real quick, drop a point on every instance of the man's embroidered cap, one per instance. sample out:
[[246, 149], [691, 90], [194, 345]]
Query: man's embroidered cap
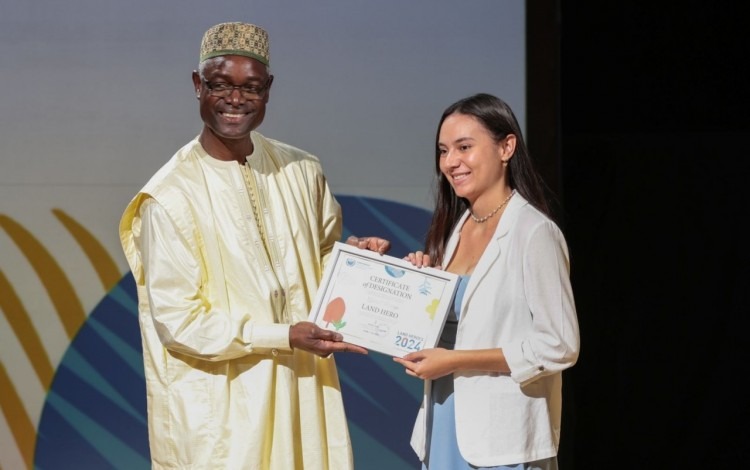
[[235, 39]]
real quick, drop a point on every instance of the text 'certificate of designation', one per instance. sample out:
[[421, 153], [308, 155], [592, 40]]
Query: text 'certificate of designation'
[[382, 303]]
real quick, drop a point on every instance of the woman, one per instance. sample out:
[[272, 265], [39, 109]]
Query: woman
[[493, 384]]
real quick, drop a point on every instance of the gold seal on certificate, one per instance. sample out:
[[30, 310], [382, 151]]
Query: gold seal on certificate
[[382, 303]]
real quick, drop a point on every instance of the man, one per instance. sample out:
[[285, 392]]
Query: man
[[227, 243]]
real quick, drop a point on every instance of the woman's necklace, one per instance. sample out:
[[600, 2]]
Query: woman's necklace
[[481, 220]]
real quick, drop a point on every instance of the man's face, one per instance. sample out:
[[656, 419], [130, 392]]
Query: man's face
[[233, 91]]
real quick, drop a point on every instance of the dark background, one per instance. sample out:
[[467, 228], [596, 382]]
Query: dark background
[[637, 115]]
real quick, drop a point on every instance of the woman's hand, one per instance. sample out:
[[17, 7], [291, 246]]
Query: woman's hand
[[381, 245], [428, 364], [418, 259]]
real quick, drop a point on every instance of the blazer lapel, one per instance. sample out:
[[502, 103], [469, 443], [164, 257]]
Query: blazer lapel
[[494, 249]]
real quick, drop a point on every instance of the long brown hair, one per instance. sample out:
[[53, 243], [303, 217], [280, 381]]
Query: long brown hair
[[498, 118]]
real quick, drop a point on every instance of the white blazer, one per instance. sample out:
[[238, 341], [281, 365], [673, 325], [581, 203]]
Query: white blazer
[[519, 298]]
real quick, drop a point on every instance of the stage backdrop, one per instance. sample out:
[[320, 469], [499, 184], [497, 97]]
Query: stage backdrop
[[96, 95]]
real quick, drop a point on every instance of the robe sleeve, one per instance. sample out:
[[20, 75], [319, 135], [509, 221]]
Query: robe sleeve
[[183, 317]]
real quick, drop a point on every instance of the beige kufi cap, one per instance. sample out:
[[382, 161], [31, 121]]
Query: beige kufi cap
[[235, 39]]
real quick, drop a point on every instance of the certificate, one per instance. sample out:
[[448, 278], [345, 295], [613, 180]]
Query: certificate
[[382, 303]]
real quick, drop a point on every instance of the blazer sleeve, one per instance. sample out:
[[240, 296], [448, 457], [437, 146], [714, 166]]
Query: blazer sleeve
[[553, 342]]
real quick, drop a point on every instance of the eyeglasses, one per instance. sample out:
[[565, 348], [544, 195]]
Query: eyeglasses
[[225, 90]]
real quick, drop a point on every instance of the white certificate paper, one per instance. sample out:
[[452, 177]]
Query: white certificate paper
[[382, 303]]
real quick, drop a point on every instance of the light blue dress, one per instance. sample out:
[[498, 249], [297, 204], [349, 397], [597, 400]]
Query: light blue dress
[[442, 452]]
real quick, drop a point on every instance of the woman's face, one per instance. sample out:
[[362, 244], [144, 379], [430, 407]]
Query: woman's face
[[470, 158]]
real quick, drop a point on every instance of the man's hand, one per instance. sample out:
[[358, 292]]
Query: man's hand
[[311, 338], [381, 245]]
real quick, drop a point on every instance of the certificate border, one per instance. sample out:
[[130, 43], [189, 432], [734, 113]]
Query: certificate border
[[432, 336]]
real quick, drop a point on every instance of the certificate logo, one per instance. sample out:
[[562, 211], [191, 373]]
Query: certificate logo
[[394, 272]]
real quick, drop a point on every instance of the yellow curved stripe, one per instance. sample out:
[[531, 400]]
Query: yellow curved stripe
[[20, 425], [102, 262], [24, 330], [56, 283]]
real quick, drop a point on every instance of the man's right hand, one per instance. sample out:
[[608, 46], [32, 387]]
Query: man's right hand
[[311, 338]]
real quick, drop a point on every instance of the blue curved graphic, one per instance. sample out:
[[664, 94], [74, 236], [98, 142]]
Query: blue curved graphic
[[95, 412], [94, 416]]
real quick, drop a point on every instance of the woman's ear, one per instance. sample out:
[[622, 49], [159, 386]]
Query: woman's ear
[[507, 148]]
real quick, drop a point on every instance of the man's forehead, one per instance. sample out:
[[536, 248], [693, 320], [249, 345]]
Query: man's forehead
[[234, 65]]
